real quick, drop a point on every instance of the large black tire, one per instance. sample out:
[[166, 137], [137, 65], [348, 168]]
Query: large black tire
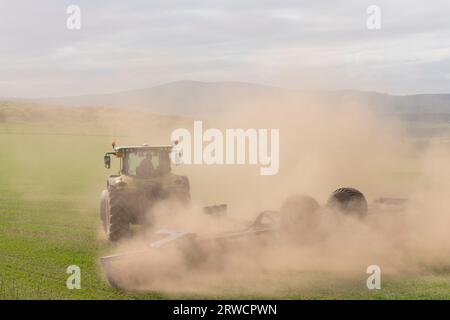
[[348, 201], [116, 222], [300, 213], [104, 203]]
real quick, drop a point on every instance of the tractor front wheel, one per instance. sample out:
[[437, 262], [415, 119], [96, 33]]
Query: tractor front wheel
[[114, 215]]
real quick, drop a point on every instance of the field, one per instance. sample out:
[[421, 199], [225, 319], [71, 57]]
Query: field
[[50, 181]]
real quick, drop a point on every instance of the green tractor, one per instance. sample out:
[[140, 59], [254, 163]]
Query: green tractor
[[144, 179]]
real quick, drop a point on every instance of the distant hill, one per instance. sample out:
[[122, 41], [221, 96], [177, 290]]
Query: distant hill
[[208, 99], [424, 115], [187, 98]]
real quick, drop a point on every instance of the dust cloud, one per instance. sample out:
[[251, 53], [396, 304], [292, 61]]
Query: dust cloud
[[322, 148]]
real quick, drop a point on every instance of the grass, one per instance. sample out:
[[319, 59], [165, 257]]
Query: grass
[[49, 189], [48, 214]]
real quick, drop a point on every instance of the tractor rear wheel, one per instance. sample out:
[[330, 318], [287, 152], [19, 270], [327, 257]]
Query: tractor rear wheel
[[116, 220], [104, 203], [349, 201]]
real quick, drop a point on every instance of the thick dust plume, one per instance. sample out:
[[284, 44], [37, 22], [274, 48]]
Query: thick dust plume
[[322, 148]]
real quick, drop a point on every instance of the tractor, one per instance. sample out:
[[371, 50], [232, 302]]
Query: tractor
[[144, 179]]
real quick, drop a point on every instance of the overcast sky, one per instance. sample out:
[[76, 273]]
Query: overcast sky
[[299, 44]]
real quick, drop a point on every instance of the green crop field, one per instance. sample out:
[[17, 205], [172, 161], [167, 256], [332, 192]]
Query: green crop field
[[49, 189]]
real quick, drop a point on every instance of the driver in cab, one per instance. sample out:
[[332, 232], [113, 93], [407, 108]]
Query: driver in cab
[[145, 168]]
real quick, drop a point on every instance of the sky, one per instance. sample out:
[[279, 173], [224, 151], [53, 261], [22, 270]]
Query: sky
[[124, 45]]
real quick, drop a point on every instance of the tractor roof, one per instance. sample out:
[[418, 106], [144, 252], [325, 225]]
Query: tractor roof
[[144, 148]]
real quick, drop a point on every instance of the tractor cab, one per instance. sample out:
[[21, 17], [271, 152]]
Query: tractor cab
[[142, 161]]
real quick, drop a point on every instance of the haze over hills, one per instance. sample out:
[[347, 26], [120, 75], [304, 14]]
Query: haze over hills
[[206, 99], [423, 115], [187, 98]]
